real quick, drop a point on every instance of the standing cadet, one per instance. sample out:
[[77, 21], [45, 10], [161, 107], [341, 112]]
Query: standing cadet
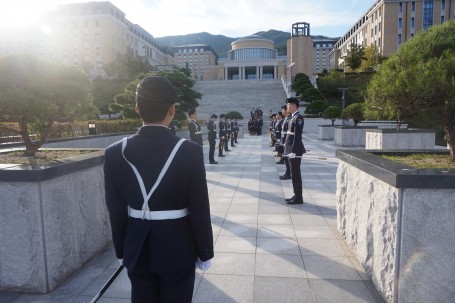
[[232, 125], [278, 129], [193, 127], [294, 149], [227, 124], [160, 231], [284, 130], [236, 130], [221, 135], [211, 128]]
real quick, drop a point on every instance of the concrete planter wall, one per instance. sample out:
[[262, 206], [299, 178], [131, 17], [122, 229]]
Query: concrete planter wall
[[399, 222], [400, 139], [326, 132], [350, 136], [53, 220]]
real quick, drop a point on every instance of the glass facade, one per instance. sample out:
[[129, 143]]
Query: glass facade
[[427, 14], [246, 54]]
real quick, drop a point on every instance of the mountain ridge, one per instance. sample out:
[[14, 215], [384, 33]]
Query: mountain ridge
[[222, 44]]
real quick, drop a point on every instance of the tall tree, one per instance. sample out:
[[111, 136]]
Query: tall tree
[[372, 59], [354, 57], [36, 93], [420, 76], [183, 84]]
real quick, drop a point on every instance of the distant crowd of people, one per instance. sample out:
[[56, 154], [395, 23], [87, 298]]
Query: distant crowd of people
[[256, 122]]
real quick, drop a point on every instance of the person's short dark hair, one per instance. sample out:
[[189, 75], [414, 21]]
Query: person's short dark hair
[[154, 95], [213, 116], [279, 114], [284, 107], [273, 115], [191, 112], [222, 116], [293, 100]]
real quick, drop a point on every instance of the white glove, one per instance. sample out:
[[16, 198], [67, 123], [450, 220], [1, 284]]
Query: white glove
[[203, 265], [222, 137], [120, 261], [278, 141], [291, 156]]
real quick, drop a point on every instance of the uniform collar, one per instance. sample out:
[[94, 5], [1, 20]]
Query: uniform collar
[[153, 129], [295, 113]]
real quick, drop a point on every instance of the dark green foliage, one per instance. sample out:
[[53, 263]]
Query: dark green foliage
[[36, 93], [312, 94], [234, 114], [332, 113], [316, 107], [354, 57], [419, 77], [356, 84], [355, 112]]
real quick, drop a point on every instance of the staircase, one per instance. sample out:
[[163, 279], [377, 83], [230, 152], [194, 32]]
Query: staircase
[[221, 97]]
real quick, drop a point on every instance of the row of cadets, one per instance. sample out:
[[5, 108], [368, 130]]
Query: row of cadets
[[227, 131]]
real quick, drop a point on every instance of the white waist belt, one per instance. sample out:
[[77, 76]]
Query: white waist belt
[[290, 133], [197, 133], [158, 215]]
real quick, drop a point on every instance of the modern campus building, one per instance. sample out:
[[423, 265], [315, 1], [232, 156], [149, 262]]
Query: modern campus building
[[88, 35], [390, 23], [251, 57], [195, 57]]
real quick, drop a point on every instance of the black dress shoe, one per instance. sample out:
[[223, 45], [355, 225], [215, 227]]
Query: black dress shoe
[[290, 199], [285, 177], [232, 145], [228, 150], [213, 162], [295, 201], [280, 162], [221, 156]]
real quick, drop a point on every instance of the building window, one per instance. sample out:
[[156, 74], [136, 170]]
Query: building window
[[413, 6], [400, 23], [427, 14], [400, 7], [412, 22], [399, 39], [443, 4], [442, 19]]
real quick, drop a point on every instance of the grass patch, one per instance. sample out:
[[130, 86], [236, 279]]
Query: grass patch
[[424, 161], [41, 157]]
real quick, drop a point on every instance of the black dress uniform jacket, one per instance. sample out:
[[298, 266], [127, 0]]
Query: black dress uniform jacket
[[222, 129], [173, 244], [293, 142], [211, 128], [195, 132]]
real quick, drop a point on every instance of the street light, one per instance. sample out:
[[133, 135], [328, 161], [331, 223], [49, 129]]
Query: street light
[[343, 100], [290, 67]]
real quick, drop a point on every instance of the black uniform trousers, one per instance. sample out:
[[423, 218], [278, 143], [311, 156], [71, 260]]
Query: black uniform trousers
[[296, 176], [171, 287], [212, 150], [288, 167], [226, 142], [221, 147]]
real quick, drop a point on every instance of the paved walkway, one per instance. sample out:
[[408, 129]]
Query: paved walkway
[[265, 251]]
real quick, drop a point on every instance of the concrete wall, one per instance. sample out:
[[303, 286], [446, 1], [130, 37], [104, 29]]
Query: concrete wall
[[348, 136], [51, 228], [400, 139], [326, 132], [403, 237]]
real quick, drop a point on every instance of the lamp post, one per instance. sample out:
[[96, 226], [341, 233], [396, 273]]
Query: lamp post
[[290, 84], [343, 100]]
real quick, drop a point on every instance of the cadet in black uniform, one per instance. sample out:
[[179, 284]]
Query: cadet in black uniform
[[236, 130], [284, 130], [232, 136], [211, 128], [278, 128], [227, 124], [221, 135], [294, 149], [159, 210], [193, 127]]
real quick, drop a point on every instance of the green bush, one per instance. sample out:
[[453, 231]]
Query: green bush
[[234, 114], [316, 107], [332, 113], [355, 112]]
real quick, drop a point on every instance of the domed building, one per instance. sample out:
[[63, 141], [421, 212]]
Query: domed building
[[252, 57]]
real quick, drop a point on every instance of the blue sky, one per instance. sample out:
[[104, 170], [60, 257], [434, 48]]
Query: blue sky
[[233, 18]]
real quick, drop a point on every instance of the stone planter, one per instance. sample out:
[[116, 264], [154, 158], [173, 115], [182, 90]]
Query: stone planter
[[53, 220], [399, 222], [402, 139], [350, 136], [326, 132]]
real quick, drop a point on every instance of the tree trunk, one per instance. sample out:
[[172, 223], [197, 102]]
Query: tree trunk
[[449, 127], [32, 147]]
